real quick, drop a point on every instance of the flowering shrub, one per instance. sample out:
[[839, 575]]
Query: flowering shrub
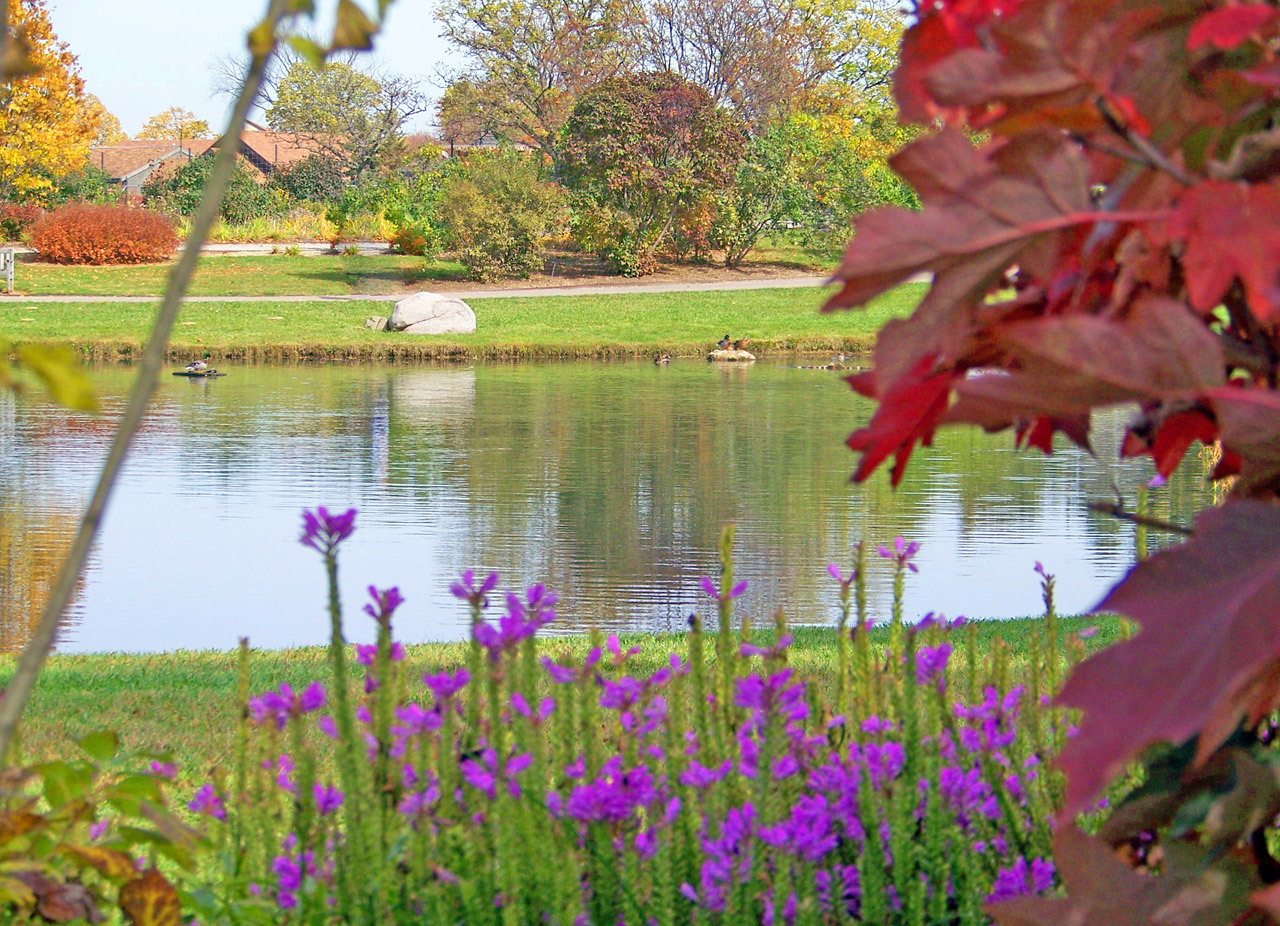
[[16, 220], [529, 789], [106, 234]]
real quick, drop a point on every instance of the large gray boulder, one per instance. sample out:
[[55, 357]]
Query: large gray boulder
[[432, 313]]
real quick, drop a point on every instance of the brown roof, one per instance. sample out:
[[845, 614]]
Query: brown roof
[[125, 158], [273, 149]]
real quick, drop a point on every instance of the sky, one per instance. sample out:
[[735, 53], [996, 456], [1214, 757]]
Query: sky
[[142, 56]]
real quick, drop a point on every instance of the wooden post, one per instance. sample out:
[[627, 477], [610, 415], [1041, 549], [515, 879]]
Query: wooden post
[[6, 265]]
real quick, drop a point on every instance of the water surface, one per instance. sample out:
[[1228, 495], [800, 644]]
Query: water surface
[[608, 481]]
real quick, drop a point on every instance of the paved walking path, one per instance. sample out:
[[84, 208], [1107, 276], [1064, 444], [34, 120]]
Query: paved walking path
[[611, 289]]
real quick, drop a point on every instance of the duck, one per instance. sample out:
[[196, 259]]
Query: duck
[[662, 359], [199, 366], [740, 344], [723, 343]]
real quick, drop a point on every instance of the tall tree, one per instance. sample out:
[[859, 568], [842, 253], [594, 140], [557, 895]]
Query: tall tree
[[534, 57], [341, 112], [175, 122], [761, 56], [109, 131], [45, 127], [649, 145]]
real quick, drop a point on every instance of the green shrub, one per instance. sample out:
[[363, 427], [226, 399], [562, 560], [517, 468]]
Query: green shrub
[[314, 179], [497, 210], [89, 185], [98, 234], [180, 191]]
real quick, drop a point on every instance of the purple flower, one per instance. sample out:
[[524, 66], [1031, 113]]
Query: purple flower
[[467, 590], [280, 706], [445, 685], [209, 803], [327, 799], [901, 554], [834, 571], [327, 726], [714, 593], [98, 830], [323, 531], [384, 604], [163, 770], [931, 664], [1021, 879]]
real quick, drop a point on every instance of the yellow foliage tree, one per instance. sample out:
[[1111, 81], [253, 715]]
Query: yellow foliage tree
[[46, 126], [175, 122], [109, 131]]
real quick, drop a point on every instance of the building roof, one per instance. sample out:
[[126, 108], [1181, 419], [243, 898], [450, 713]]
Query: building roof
[[128, 157], [269, 150]]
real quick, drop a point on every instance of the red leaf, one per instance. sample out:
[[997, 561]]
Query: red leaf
[[1230, 230], [1167, 444], [1068, 365], [1231, 26], [1039, 432], [981, 208], [924, 45], [1206, 657], [909, 411], [1249, 422]]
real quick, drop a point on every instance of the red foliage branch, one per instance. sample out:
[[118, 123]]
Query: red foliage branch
[[1115, 238]]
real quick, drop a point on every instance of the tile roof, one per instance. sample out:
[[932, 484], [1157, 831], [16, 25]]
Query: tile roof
[[127, 157]]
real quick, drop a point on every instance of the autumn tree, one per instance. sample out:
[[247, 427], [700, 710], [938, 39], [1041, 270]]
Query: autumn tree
[[175, 122], [469, 110], [109, 131], [648, 145], [532, 58], [342, 112], [760, 57], [46, 127], [1111, 239]]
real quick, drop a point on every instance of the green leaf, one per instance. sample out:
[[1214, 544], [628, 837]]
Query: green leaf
[[64, 783], [101, 746], [146, 787], [312, 53], [353, 28], [61, 374], [262, 39]]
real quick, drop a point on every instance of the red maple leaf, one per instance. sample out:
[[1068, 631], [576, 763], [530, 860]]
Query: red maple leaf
[[1038, 432], [1249, 420], [1206, 657], [1231, 26], [1230, 231], [1166, 439], [909, 412]]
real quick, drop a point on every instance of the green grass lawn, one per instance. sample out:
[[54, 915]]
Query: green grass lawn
[[185, 701], [274, 275], [619, 324]]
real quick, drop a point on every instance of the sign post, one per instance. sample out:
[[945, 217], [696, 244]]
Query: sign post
[[6, 267]]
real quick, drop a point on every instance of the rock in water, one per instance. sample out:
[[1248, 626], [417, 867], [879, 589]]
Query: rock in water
[[431, 313], [376, 323], [731, 356]]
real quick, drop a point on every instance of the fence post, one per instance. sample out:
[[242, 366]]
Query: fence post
[[6, 265]]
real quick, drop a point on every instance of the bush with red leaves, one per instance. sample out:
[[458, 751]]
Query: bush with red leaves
[[89, 234], [16, 220]]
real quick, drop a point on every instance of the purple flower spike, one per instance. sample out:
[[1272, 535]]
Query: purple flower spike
[[445, 685], [713, 593], [323, 531], [327, 799], [901, 554], [467, 590], [208, 802], [384, 604]]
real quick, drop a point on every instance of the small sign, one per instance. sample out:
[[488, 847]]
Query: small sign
[[6, 267]]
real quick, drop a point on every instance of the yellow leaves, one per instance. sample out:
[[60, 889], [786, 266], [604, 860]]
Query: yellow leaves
[[151, 901], [112, 863], [42, 121], [57, 368], [353, 28]]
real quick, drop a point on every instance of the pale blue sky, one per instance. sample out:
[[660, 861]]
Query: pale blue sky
[[143, 56]]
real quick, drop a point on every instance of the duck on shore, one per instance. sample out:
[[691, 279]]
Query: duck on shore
[[199, 366], [723, 343], [740, 344]]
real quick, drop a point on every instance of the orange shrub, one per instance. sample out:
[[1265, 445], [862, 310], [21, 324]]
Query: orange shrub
[[87, 234]]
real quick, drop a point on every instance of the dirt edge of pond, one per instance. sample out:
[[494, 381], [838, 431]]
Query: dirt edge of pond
[[396, 349]]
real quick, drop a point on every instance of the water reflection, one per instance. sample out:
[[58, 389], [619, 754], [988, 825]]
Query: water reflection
[[608, 481]]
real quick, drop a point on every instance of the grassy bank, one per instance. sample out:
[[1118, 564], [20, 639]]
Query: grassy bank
[[331, 275], [684, 324], [184, 701]]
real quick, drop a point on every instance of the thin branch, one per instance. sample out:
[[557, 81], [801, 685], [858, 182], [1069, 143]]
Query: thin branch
[[1116, 510], [37, 649], [1153, 155]]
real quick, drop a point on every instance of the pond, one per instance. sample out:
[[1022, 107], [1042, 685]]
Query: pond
[[608, 481]]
